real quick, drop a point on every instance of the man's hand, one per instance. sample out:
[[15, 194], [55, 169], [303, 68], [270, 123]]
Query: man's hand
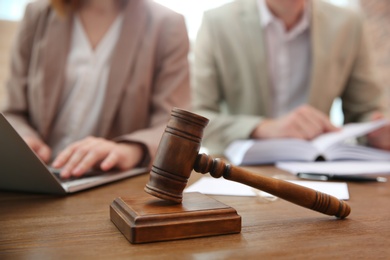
[[81, 156], [304, 122], [379, 138], [40, 148]]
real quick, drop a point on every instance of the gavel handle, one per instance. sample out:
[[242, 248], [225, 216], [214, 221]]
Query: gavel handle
[[296, 194]]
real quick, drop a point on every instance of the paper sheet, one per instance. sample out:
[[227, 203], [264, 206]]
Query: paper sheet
[[337, 167], [213, 186], [324, 141]]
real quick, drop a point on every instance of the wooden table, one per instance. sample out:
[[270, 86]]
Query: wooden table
[[78, 226]]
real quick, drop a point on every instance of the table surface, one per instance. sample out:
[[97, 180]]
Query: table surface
[[78, 226]]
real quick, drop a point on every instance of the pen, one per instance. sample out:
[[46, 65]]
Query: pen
[[328, 176]]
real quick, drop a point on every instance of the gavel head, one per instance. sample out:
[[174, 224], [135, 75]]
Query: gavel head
[[176, 155]]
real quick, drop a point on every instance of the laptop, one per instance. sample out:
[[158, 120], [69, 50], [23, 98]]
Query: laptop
[[22, 170]]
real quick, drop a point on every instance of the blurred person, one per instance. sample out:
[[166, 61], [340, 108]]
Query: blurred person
[[272, 69], [92, 82]]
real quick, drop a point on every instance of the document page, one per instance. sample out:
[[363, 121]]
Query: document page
[[265, 151], [324, 141]]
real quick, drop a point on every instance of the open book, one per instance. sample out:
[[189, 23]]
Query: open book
[[330, 147]]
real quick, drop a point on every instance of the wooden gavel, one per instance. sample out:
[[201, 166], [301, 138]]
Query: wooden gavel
[[177, 156]]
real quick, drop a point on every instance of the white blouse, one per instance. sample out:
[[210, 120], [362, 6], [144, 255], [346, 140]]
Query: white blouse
[[86, 78]]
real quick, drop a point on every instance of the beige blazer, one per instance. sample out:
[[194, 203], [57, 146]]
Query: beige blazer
[[230, 69], [149, 73]]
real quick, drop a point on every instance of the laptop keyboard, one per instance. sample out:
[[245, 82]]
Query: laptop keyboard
[[91, 173]]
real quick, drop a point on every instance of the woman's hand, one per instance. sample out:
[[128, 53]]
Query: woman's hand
[[81, 156]]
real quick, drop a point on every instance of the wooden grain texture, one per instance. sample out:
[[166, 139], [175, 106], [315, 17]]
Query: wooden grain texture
[[178, 149], [294, 193], [145, 219], [177, 156], [79, 227]]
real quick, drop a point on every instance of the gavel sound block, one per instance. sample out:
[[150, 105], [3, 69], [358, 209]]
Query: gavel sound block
[[177, 156]]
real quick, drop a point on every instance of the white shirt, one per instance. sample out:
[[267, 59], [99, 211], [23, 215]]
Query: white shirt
[[86, 78], [288, 58]]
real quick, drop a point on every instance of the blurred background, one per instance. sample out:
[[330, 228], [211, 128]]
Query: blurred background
[[377, 14], [192, 10]]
